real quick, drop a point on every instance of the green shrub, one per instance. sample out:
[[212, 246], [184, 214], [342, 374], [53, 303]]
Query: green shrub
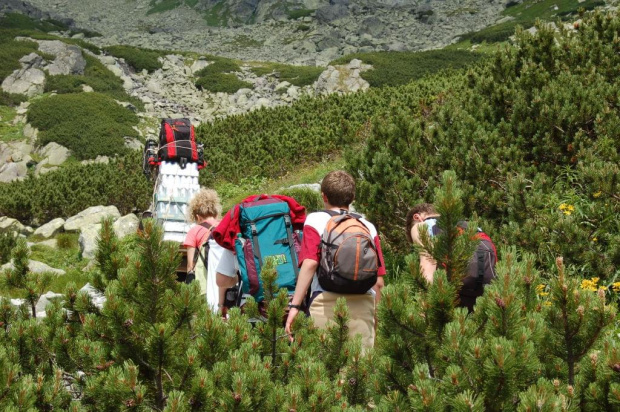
[[89, 124], [542, 174], [303, 27], [299, 13], [97, 76], [398, 68], [11, 99], [219, 66], [221, 82], [64, 83], [138, 58], [493, 34], [75, 187], [525, 14], [23, 22], [11, 51], [297, 75], [8, 240]]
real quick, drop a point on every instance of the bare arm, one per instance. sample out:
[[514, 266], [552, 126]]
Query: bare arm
[[308, 267], [378, 287], [428, 266], [190, 258], [224, 281]]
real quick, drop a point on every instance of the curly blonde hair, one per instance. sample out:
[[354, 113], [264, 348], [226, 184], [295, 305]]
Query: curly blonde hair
[[205, 203]]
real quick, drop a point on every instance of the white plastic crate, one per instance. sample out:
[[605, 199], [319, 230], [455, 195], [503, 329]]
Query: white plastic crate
[[174, 188]]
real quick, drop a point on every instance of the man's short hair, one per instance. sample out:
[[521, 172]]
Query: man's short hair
[[339, 188], [427, 208]]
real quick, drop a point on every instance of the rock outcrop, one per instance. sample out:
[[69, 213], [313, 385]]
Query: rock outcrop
[[89, 217], [51, 228], [343, 79]]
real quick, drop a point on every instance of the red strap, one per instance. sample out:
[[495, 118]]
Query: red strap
[[169, 132], [194, 149], [192, 134], [484, 236]]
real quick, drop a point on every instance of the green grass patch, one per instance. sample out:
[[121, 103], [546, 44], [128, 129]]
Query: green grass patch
[[297, 75], [299, 13], [89, 124], [233, 193], [243, 41], [8, 131], [138, 58], [398, 68]]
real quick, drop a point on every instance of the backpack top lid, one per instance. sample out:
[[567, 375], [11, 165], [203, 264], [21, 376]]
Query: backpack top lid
[[226, 232]]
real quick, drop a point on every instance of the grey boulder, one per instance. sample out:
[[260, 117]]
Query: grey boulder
[[90, 216], [50, 228]]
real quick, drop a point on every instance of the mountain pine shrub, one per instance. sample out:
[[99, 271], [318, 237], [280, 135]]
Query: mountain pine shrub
[[138, 58], [400, 68], [8, 240], [75, 187], [31, 285], [89, 124], [530, 134], [526, 344]]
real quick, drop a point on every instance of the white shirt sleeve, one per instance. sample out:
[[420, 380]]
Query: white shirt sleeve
[[226, 261]]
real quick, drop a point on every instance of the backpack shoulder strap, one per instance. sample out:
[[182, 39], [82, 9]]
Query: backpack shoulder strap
[[204, 258]]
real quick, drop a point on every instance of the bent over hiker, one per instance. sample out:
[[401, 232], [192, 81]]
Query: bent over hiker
[[419, 215], [357, 274], [481, 267]]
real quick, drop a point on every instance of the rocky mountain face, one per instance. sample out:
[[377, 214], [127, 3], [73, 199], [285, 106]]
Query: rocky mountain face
[[310, 32]]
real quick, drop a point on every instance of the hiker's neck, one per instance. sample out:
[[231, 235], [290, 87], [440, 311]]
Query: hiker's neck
[[336, 208]]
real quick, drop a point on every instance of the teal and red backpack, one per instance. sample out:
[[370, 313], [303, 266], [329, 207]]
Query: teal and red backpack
[[268, 229]]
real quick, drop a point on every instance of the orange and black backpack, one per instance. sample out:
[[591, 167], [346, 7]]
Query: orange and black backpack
[[349, 261]]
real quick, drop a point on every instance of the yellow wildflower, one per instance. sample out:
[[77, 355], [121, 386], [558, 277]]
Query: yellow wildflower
[[567, 209], [597, 194], [595, 239], [540, 288], [543, 293], [616, 287], [547, 303], [603, 288], [588, 284]]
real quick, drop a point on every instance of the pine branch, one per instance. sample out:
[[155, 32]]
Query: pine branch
[[403, 326]]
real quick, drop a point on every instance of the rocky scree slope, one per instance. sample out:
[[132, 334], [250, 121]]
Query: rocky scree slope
[[310, 32], [166, 92]]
